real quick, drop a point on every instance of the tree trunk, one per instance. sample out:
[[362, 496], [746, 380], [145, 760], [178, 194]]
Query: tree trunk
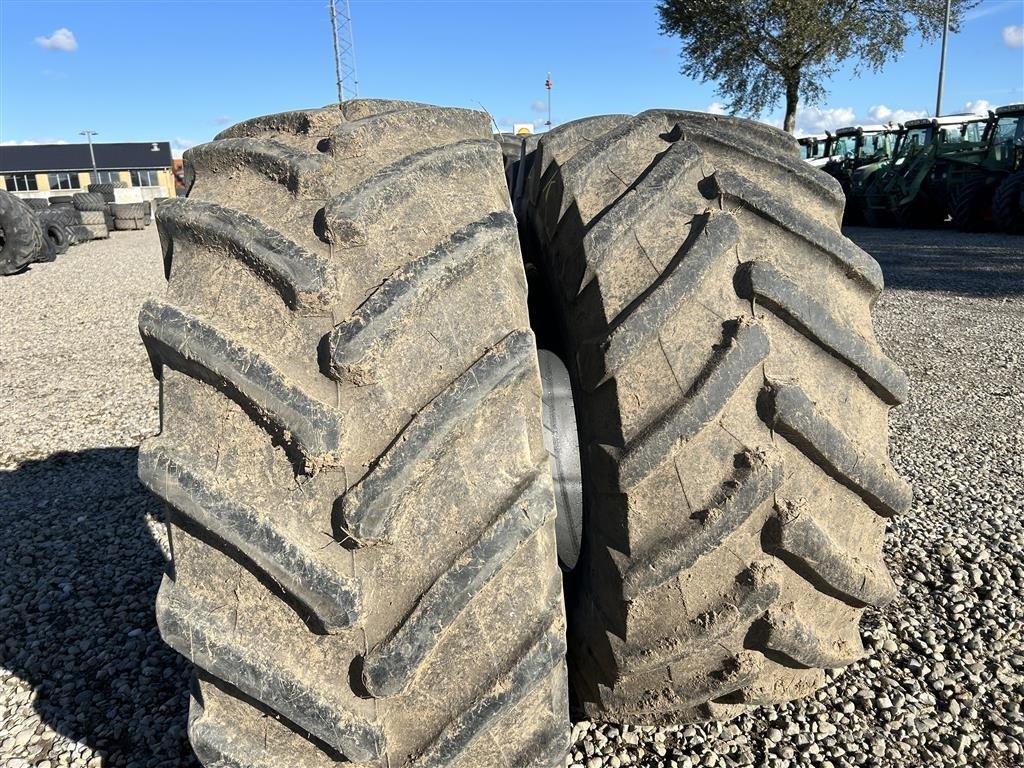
[[792, 87]]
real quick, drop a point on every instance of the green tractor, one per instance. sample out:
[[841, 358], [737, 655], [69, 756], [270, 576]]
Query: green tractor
[[857, 152], [911, 190], [986, 184]]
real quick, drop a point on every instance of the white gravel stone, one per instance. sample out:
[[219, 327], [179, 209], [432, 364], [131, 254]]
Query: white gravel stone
[[86, 682]]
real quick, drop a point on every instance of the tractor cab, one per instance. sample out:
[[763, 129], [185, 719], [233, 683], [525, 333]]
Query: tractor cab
[[1005, 136], [817, 149], [857, 153]]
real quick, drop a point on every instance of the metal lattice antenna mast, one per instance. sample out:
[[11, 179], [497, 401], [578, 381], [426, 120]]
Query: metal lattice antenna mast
[[344, 52], [337, 53]]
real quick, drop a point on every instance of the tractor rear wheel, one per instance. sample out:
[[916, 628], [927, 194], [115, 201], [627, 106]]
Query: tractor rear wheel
[[1008, 204], [352, 453], [969, 203], [732, 404]]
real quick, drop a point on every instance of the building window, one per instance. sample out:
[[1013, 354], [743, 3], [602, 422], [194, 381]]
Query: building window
[[64, 180], [107, 177], [21, 182], [145, 178]]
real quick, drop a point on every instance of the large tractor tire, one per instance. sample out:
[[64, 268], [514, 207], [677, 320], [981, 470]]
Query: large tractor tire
[[927, 210], [127, 224], [1008, 204], [89, 201], [21, 238], [56, 234], [732, 404], [106, 190], [351, 451], [877, 217], [129, 210], [969, 203]]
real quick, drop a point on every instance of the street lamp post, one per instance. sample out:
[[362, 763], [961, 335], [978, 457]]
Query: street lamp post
[[88, 135], [942, 62]]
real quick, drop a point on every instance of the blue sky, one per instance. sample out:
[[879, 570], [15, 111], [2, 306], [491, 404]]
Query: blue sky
[[180, 71]]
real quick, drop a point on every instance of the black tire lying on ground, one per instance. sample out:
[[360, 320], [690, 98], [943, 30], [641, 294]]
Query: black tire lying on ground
[[97, 231], [72, 221], [125, 224], [1008, 204], [37, 203], [68, 210], [93, 217], [128, 210], [732, 406], [56, 234], [351, 451], [81, 233], [62, 200], [89, 201], [21, 239], [107, 190]]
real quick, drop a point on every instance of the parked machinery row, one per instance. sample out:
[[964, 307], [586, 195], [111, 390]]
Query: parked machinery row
[[37, 230], [967, 168]]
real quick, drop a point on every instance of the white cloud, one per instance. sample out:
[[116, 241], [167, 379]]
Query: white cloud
[[539, 106], [29, 142], [716, 108], [979, 107], [178, 146], [1013, 36], [62, 39], [814, 120], [884, 114]]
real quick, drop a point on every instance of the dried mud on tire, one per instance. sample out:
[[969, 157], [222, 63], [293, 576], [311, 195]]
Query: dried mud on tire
[[362, 519], [732, 402]]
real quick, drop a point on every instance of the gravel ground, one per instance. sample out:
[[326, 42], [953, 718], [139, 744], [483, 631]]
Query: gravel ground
[[85, 680]]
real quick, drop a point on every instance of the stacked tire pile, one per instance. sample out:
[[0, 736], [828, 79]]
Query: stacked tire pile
[[129, 216], [63, 221], [29, 233], [56, 223], [21, 238], [107, 191], [91, 209], [63, 212], [364, 441]]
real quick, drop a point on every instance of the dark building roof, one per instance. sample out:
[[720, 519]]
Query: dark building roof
[[75, 157]]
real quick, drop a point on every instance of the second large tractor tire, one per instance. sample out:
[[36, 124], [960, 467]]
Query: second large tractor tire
[[21, 238], [351, 452], [969, 203], [1008, 204], [732, 403]]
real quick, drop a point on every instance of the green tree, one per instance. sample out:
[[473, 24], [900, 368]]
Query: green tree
[[759, 51]]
